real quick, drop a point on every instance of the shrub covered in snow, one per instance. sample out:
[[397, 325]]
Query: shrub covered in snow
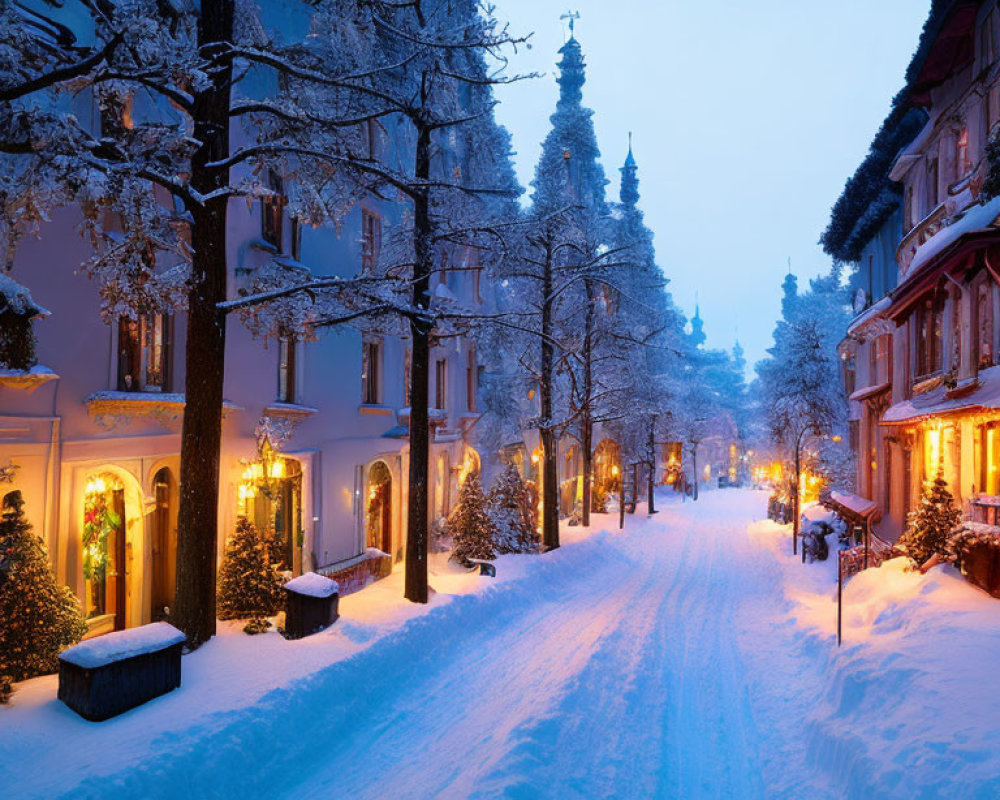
[[249, 587], [471, 528], [514, 514], [38, 617], [930, 525]]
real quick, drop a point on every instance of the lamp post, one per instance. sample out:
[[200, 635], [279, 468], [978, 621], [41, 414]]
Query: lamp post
[[798, 477]]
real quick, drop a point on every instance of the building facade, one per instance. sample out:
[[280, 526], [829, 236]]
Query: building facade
[[919, 359]]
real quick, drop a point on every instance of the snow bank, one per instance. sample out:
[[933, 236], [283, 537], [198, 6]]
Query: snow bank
[[103, 650], [907, 706], [312, 585]]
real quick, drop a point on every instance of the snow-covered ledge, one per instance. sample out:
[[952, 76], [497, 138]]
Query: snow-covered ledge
[[26, 380], [289, 411], [109, 407]]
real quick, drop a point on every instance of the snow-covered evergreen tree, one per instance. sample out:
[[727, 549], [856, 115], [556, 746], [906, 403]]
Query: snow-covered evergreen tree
[[930, 525], [471, 527], [514, 513], [249, 588], [38, 617]]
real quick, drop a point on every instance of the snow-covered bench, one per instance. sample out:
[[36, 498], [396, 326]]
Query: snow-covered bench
[[311, 603], [107, 675]]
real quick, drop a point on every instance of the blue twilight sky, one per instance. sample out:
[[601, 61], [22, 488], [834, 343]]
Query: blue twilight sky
[[748, 116]]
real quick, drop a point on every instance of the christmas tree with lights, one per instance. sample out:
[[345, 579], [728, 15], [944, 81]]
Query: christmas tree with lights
[[249, 587], [472, 530], [38, 617], [930, 525]]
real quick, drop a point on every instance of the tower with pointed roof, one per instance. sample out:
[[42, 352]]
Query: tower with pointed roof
[[569, 169], [628, 193], [697, 336]]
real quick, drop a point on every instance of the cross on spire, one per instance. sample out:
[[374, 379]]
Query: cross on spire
[[572, 16]]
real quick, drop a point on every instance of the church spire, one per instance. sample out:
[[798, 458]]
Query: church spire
[[629, 191], [697, 336], [572, 74]]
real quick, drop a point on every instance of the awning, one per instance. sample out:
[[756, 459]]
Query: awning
[[980, 393], [851, 507]]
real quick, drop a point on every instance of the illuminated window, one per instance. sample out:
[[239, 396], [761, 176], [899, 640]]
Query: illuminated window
[[144, 354], [989, 468]]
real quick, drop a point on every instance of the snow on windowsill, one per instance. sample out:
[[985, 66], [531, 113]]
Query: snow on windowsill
[[117, 646], [29, 379], [312, 585]]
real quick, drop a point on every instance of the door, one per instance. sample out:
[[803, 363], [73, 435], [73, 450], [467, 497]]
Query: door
[[164, 541], [118, 567], [386, 503]]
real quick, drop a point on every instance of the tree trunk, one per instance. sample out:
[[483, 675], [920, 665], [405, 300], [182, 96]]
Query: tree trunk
[[587, 446], [550, 477], [586, 421], [694, 472], [795, 498], [417, 510], [651, 482], [205, 352]]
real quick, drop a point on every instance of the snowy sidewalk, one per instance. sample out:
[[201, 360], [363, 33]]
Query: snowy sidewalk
[[690, 657]]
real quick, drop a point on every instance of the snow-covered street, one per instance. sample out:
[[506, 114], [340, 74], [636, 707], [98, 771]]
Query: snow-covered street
[[676, 660]]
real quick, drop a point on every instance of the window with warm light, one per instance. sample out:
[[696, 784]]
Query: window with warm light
[[144, 353], [989, 472]]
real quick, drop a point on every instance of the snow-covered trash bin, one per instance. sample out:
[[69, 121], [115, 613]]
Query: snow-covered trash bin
[[311, 603], [486, 568], [107, 675]]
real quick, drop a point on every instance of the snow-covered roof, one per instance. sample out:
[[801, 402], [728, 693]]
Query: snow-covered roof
[[870, 391], [103, 650], [870, 313], [312, 585], [976, 218], [982, 392], [15, 297], [859, 505]]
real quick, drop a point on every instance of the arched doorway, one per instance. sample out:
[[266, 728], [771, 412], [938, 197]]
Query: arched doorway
[[163, 540], [607, 475], [105, 568], [271, 498], [379, 516]]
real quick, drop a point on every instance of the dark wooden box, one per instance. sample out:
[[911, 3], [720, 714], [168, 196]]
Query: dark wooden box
[[99, 693], [981, 566], [305, 615]]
